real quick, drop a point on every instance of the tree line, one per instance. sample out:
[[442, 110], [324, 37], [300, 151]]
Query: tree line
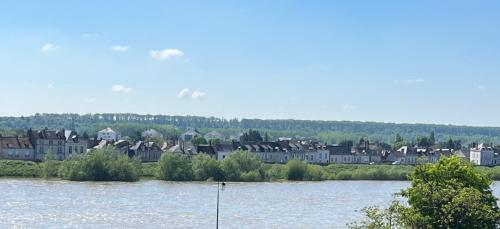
[[329, 131]]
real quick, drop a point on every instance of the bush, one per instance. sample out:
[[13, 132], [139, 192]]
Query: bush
[[242, 166], [296, 170], [49, 166], [205, 167], [315, 173], [174, 167], [19, 168], [101, 165], [274, 172], [149, 169]]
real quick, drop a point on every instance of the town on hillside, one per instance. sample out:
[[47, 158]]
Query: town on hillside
[[35, 144]]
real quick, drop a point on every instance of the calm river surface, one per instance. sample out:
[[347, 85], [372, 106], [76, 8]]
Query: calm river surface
[[26, 203]]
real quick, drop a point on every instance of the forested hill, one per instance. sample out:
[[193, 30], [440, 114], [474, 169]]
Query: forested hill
[[325, 130]]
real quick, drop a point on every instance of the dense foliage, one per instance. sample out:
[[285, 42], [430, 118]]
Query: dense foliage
[[49, 166], [329, 131], [174, 167], [449, 194], [242, 166], [100, 165], [206, 167], [16, 168]]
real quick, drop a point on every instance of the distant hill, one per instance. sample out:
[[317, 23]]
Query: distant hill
[[322, 130]]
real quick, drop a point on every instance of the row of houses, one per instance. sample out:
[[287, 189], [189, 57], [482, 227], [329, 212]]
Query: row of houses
[[36, 144], [282, 151], [64, 143]]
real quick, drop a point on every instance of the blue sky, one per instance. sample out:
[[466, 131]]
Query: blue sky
[[391, 61]]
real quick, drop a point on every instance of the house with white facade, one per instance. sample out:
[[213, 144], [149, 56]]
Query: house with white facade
[[151, 133], [340, 155], [108, 134], [482, 154]]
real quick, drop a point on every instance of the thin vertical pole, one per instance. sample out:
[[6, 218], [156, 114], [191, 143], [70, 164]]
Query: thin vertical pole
[[217, 225]]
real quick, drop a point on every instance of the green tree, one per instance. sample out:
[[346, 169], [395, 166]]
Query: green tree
[[101, 165], [448, 194], [399, 138], [174, 167], [296, 170], [252, 136], [432, 138], [198, 140], [206, 167], [423, 141], [49, 166], [242, 166]]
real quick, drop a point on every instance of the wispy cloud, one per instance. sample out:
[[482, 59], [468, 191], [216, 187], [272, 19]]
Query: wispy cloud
[[197, 94], [415, 80], [409, 81], [186, 93], [120, 48], [166, 54], [50, 86], [121, 89], [88, 100], [90, 35], [47, 47]]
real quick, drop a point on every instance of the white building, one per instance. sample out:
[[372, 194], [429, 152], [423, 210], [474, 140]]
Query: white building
[[151, 133], [108, 134], [482, 155], [214, 135]]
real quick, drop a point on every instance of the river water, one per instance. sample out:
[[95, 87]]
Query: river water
[[27, 203]]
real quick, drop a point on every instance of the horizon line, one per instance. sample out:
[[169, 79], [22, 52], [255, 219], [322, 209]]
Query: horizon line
[[264, 119]]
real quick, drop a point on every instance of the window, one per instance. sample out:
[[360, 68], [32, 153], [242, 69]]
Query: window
[[70, 150], [81, 149], [50, 142]]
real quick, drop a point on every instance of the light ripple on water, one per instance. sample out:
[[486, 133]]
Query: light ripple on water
[[27, 203]]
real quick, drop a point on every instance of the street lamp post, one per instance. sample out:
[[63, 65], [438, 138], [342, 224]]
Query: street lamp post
[[218, 189]]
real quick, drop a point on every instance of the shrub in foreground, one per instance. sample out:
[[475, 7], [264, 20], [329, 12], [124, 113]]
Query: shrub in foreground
[[449, 194]]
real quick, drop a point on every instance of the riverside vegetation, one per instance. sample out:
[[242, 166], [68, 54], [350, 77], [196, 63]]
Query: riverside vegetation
[[449, 194], [105, 165]]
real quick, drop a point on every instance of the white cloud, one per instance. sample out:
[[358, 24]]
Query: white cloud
[[90, 35], [166, 54], [186, 93], [415, 80], [121, 88], [120, 48], [47, 47], [88, 100], [197, 95], [50, 86]]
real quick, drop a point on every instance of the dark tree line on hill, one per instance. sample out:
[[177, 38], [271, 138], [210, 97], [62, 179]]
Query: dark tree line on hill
[[329, 131]]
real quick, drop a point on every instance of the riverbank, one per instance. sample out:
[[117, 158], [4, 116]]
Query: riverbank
[[272, 172]]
